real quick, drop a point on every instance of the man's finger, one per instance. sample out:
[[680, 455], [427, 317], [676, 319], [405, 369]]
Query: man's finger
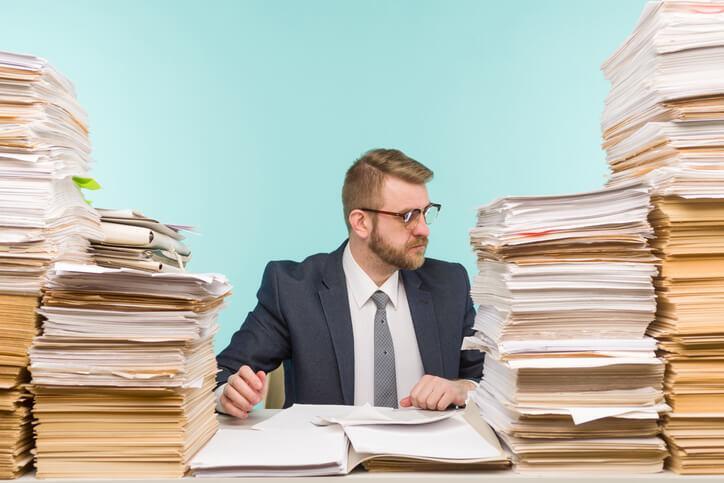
[[436, 393], [243, 388], [247, 374], [236, 398], [421, 391], [445, 400], [230, 409], [413, 395], [415, 391], [405, 402], [419, 399]]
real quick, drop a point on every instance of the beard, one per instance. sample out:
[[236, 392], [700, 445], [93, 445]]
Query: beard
[[401, 258]]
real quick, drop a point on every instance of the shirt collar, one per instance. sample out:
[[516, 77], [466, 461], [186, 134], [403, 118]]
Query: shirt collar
[[361, 285]]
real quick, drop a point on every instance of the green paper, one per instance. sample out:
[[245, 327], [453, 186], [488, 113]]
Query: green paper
[[86, 183]]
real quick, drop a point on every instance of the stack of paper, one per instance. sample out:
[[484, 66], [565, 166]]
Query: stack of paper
[[16, 433], [133, 240], [43, 217], [664, 115], [20, 325], [566, 294], [124, 371], [664, 123], [312, 440], [562, 267], [43, 146], [688, 326]]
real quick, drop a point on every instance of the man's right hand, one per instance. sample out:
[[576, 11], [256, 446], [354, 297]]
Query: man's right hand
[[243, 391]]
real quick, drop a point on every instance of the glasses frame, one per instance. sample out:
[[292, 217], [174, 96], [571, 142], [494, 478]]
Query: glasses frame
[[408, 217]]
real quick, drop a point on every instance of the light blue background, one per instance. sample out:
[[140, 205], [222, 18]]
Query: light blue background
[[241, 117]]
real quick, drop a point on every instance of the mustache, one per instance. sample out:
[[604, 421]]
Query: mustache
[[420, 241]]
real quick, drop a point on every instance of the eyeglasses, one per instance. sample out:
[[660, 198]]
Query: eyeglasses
[[411, 217]]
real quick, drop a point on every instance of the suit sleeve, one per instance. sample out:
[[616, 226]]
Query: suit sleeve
[[262, 341], [471, 361]]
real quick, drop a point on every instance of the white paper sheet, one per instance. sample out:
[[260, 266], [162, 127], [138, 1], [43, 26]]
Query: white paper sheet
[[452, 438]]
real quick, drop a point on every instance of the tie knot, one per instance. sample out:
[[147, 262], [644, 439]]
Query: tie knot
[[380, 298]]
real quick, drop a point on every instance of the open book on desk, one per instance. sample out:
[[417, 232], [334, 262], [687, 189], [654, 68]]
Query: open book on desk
[[289, 444]]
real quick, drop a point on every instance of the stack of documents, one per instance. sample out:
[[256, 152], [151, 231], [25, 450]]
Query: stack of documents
[[20, 325], [124, 371], [314, 440], [43, 147], [664, 115], [690, 242], [565, 295], [664, 124], [44, 154], [133, 240], [565, 267], [16, 433]]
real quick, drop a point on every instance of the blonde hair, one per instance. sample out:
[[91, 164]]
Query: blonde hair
[[364, 179]]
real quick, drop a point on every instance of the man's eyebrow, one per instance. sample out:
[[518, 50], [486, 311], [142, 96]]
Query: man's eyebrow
[[407, 208], [421, 207]]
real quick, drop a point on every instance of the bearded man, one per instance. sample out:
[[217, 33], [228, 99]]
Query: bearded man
[[372, 322]]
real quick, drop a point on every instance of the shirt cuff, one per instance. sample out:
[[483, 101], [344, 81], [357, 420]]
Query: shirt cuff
[[217, 393], [472, 387]]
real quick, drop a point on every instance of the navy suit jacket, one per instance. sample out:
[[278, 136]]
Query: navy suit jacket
[[302, 319]]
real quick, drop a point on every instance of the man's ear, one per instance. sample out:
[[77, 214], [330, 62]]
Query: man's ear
[[360, 224]]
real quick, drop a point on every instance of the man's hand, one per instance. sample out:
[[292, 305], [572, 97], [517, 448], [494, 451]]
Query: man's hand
[[432, 392], [242, 392]]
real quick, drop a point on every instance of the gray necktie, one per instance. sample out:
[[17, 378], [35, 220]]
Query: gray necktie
[[385, 376]]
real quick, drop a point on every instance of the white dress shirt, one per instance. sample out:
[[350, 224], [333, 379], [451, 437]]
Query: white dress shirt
[[408, 363]]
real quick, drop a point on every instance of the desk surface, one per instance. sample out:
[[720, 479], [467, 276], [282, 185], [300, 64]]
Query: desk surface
[[427, 477]]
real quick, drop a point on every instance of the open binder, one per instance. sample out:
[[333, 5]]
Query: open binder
[[290, 445]]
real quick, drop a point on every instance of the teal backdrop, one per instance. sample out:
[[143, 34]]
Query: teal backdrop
[[241, 117]]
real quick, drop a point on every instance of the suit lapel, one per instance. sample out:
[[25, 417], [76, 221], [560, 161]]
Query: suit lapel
[[423, 319], [335, 304]]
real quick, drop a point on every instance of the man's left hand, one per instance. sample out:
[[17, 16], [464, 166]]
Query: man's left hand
[[432, 392]]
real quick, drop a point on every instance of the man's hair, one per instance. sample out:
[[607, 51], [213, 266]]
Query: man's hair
[[364, 179]]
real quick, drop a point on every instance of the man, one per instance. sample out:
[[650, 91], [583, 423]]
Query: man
[[372, 322]]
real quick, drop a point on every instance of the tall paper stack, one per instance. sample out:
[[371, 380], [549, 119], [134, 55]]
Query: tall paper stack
[[43, 217], [565, 295], [664, 115], [124, 372], [664, 122]]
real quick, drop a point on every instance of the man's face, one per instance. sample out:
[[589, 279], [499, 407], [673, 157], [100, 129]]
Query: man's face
[[391, 240]]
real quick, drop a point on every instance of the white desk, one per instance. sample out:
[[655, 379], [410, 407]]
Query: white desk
[[457, 477]]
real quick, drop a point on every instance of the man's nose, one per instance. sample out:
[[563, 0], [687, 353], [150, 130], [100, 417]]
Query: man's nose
[[422, 228]]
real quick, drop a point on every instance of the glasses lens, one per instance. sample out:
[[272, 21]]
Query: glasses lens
[[431, 214], [411, 216]]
